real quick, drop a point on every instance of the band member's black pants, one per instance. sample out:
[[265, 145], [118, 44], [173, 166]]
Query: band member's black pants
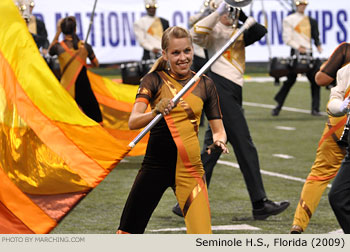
[[238, 135]]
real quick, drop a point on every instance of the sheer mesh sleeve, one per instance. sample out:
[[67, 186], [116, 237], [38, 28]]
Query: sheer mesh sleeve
[[55, 49], [211, 102], [90, 51], [339, 57], [148, 87]]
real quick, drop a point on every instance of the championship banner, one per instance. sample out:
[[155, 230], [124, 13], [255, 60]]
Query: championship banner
[[52, 155], [114, 41]]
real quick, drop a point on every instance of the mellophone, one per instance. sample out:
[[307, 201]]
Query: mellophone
[[279, 66], [132, 72]]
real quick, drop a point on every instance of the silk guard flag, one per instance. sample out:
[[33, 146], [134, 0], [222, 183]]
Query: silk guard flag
[[51, 154], [116, 101]]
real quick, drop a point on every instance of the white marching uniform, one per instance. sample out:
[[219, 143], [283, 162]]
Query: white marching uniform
[[148, 31], [297, 31], [212, 35], [338, 92]]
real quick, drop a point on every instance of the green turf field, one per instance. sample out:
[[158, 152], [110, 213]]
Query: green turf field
[[100, 211]]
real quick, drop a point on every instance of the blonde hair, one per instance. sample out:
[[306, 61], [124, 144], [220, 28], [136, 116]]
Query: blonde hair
[[170, 33]]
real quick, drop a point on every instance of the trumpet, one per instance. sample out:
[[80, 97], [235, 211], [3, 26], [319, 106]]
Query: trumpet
[[343, 140], [234, 9]]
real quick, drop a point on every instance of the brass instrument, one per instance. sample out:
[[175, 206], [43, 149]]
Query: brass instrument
[[24, 8], [238, 3], [234, 8]]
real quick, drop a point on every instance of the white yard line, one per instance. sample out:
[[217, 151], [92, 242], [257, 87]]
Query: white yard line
[[273, 174], [285, 128], [269, 106], [222, 227], [284, 156], [338, 231]]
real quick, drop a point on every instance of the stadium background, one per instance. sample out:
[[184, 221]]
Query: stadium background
[[114, 41]]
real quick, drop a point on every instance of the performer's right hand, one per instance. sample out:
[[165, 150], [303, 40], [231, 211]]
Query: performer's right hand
[[345, 106], [164, 106]]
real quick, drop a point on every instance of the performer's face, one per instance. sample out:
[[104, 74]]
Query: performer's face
[[179, 56], [301, 7], [151, 11]]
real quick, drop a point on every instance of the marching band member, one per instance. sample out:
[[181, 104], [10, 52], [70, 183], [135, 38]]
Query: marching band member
[[329, 154], [35, 26], [149, 29], [212, 32], [172, 157], [38, 30], [298, 30], [339, 195]]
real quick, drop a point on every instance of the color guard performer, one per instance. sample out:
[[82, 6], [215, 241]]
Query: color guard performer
[[329, 153], [172, 157]]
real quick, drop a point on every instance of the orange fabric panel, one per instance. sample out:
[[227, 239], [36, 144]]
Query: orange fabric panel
[[10, 224], [23, 208], [110, 102], [98, 84], [125, 137], [102, 154], [332, 130], [57, 206], [315, 178], [182, 150], [140, 99]]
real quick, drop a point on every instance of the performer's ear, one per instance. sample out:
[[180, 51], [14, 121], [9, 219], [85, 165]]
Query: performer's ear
[[164, 55]]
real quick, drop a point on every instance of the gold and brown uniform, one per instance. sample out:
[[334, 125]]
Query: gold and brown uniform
[[172, 157], [74, 77], [329, 154]]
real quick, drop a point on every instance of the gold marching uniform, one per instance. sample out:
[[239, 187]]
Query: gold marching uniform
[[74, 76], [329, 154], [172, 157]]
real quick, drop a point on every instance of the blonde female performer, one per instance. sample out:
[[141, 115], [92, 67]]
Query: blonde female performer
[[172, 157]]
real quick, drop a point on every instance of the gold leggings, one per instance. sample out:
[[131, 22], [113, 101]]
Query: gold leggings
[[326, 165]]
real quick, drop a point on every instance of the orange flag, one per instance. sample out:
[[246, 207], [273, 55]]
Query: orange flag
[[51, 154], [116, 101]]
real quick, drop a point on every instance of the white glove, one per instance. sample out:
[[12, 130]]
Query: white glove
[[344, 107], [222, 8]]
